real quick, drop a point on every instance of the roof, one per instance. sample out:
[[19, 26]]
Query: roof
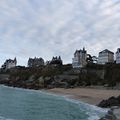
[[80, 51], [118, 50], [106, 51], [10, 60], [35, 59]]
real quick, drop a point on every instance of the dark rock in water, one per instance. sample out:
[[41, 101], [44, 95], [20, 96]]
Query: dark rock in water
[[109, 116], [110, 112], [103, 104], [112, 101], [118, 98]]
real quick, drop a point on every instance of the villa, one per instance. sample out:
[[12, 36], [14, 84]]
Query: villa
[[118, 56], [105, 56], [56, 61], [9, 64], [80, 58], [35, 62]]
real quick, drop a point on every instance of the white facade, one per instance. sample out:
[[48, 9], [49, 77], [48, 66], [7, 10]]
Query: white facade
[[79, 59], [105, 56], [9, 64], [75, 62], [118, 56]]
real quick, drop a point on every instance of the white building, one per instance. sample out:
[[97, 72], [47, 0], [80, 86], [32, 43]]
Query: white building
[[80, 57], [105, 56], [118, 56], [9, 64]]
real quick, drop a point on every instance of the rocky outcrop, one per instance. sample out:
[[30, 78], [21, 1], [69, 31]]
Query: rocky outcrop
[[109, 116], [113, 114], [114, 104], [117, 113], [4, 77], [112, 101], [117, 86]]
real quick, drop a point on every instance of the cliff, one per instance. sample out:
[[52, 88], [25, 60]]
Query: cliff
[[62, 76]]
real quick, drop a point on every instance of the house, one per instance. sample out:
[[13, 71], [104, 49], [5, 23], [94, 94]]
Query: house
[[118, 56], [105, 56], [35, 62], [56, 61], [9, 64], [80, 58]]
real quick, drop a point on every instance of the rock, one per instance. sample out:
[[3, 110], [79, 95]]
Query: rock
[[41, 79], [118, 98], [112, 101], [47, 78], [109, 116], [117, 113], [114, 107], [31, 78], [103, 104], [110, 112], [40, 82]]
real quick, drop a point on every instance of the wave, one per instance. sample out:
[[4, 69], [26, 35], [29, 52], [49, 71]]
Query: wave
[[3, 118], [92, 111]]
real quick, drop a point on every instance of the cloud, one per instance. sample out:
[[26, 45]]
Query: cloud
[[45, 28]]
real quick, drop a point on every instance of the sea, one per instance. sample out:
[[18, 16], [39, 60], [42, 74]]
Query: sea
[[23, 104]]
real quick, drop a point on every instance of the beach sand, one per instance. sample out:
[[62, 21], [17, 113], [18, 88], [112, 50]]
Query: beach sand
[[89, 95]]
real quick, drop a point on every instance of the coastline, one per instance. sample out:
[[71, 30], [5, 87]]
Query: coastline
[[91, 96], [88, 95], [92, 112]]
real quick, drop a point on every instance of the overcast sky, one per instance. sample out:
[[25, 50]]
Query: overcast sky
[[46, 28]]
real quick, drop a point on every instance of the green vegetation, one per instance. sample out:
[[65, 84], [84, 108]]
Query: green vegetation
[[112, 75], [63, 76]]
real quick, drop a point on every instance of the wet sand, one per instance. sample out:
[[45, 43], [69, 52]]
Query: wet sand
[[89, 95]]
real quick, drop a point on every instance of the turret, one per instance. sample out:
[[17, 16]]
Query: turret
[[15, 60]]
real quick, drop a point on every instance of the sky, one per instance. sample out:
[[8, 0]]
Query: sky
[[46, 28]]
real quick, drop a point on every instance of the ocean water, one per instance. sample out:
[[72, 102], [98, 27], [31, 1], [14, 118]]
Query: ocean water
[[21, 104]]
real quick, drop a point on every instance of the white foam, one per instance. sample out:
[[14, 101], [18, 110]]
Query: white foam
[[92, 111], [94, 117], [3, 118]]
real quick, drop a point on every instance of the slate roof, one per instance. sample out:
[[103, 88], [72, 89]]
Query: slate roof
[[107, 51]]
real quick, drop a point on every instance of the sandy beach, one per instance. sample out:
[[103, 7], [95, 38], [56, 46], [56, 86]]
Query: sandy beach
[[88, 95]]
